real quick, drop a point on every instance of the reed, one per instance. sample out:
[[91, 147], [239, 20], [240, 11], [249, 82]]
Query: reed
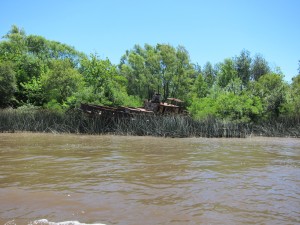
[[288, 126], [15, 120]]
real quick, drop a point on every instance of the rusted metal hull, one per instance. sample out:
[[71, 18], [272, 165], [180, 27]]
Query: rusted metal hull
[[151, 107], [113, 111], [158, 109]]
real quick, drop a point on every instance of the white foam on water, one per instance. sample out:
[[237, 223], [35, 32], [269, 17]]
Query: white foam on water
[[46, 222]]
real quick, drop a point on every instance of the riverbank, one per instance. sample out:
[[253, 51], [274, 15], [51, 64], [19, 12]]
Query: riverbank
[[12, 120]]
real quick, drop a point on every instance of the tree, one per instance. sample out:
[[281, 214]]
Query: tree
[[200, 88], [30, 58], [239, 108], [184, 76], [14, 44], [135, 71], [162, 68], [234, 86], [227, 73], [38, 46], [33, 90], [60, 81], [28, 68], [168, 68], [46, 50], [227, 106], [104, 83], [295, 94], [291, 105], [7, 84], [243, 64], [272, 90], [259, 67], [203, 108], [209, 74]]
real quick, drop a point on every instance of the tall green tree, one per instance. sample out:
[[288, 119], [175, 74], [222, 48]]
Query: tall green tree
[[259, 67], [185, 74], [167, 67], [162, 68], [226, 73], [295, 94], [199, 88], [7, 84], [209, 74], [133, 68], [14, 44], [271, 89], [103, 83], [30, 57], [27, 68], [243, 65], [38, 46], [60, 81]]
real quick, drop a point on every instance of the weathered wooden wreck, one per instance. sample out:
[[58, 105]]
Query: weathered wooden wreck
[[151, 107]]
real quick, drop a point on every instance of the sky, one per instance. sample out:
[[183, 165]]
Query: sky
[[210, 30]]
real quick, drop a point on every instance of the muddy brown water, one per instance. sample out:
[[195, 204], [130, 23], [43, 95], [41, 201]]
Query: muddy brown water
[[146, 180]]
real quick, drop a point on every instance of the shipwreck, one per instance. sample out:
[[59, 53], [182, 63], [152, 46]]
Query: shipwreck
[[152, 106]]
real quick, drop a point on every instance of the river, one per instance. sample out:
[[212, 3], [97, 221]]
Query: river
[[50, 179]]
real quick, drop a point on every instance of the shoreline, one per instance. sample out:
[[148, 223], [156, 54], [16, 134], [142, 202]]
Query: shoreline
[[141, 136], [170, 126]]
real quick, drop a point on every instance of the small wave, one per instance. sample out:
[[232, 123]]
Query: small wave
[[46, 222]]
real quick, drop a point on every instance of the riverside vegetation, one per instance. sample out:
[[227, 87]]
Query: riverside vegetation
[[20, 120], [43, 82]]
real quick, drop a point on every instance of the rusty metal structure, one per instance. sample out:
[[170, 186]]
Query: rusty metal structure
[[151, 107]]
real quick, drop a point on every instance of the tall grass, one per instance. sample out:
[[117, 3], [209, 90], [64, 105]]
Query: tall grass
[[15, 120], [288, 126]]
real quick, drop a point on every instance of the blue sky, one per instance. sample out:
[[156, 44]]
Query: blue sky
[[210, 30]]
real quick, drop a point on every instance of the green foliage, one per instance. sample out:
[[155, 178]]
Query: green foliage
[[228, 107], [243, 64], [162, 68], [241, 108], [209, 74], [202, 108], [259, 67], [37, 72], [28, 67], [103, 84], [235, 86], [46, 50], [34, 92], [54, 105], [32, 59], [200, 88], [60, 81], [271, 89], [15, 44], [226, 73], [292, 105], [7, 84], [141, 67], [296, 94]]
